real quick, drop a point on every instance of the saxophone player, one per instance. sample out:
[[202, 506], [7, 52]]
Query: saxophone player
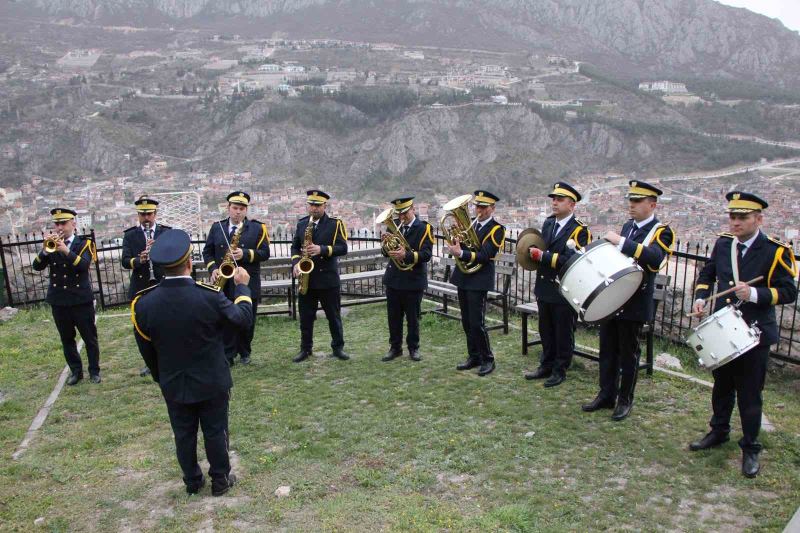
[[328, 240], [406, 278], [251, 251], [136, 243], [474, 286]]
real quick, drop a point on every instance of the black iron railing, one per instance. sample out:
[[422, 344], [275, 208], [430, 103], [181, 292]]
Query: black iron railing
[[23, 286]]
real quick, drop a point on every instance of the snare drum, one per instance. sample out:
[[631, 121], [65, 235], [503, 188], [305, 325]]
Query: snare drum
[[599, 281], [722, 337]]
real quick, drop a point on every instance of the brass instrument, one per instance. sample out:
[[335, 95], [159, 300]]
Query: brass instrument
[[148, 228], [455, 225], [52, 241], [228, 267], [306, 265], [393, 240]]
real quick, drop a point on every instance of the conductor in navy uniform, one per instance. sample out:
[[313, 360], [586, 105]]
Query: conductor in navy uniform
[[329, 241], [739, 256], [69, 293], [252, 250], [474, 287], [135, 256], [404, 288], [557, 319], [178, 327], [648, 242]]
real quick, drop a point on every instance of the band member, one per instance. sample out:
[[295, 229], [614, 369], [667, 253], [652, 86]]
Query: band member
[[136, 243], [69, 292], [404, 287], [473, 287], [649, 242], [557, 319], [328, 240], [178, 327], [739, 256], [250, 251]]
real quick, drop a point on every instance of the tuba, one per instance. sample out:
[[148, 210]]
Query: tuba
[[455, 225], [393, 240], [306, 264], [228, 267]]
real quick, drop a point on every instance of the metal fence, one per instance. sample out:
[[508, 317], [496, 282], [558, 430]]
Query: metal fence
[[23, 286]]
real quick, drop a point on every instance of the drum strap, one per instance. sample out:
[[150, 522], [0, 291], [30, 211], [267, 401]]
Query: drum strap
[[735, 260]]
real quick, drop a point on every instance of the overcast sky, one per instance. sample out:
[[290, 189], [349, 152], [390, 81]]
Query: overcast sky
[[788, 11]]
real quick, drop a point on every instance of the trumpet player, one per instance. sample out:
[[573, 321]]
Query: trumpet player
[[474, 285], [69, 292], [323, 244], [406, 277], [557, 319], [251, 251]]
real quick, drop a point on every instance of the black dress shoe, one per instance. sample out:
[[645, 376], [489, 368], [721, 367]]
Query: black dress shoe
[[392, 354], [555, 379], [95, 378], [539, 373], [750, 465], [486, 368], [414, 355], [144, 372], [711, 440], [73, 379], [194, 488], [220, 486], [301, 356], [340, 354], [621, 411], [468, 364], [598, 403], [245, 359]]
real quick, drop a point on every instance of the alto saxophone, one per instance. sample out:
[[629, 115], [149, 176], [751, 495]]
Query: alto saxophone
[[305, 265], [227, 267]]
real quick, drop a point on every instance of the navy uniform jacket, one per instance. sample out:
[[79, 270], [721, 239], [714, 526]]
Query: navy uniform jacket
[[556, 254], [420, 239], [640, 307], [69, 274], [766, 257], [254, 242], [178, 327], [331, 235], [492, 236], [133, 243]]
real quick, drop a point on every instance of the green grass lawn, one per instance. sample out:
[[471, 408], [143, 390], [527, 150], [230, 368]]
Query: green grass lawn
[[366, 445]]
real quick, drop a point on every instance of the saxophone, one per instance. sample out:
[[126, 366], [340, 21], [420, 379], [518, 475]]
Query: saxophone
[[227, 267], [306, 264]]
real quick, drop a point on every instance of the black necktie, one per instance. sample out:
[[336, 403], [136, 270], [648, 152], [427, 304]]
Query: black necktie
[[233, 230], [634, 229], [740, 248], [149, 234], [404, 231]]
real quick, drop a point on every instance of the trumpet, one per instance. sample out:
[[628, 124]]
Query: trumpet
[[455, 225], [393, 240], [52, 241], [306, 265]]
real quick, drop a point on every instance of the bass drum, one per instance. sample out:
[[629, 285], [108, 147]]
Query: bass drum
[[599, 281]]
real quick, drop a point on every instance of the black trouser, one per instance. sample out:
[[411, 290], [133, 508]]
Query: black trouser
[[619, 359], [212, 416], [557, 330], [331, 302], [473, 320], [399, 304], [68, 318], [740, 380]]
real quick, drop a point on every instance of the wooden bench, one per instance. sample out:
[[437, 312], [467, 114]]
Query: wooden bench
[[659, 294], [505, 267], [359, 266]]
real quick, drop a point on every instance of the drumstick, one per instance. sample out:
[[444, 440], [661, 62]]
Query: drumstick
[[723, 293]]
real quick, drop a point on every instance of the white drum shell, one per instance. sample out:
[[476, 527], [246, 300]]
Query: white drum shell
[[722, 337], [598, 282]]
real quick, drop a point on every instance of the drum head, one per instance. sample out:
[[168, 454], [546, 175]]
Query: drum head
[[606, 300]]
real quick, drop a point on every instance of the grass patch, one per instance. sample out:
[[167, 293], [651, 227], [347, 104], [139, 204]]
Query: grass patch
[[368, 446]]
